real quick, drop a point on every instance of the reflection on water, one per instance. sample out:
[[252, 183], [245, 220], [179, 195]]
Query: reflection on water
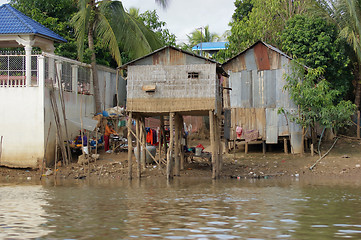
[[22, 215], [182, 209]]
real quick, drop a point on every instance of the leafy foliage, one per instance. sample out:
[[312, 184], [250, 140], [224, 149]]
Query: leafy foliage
[[54, 15], [316, 101], [317, 42], [346, 14], [265, 21], [243, 8], [152, 21]]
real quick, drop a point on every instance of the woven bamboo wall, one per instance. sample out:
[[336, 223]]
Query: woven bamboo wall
[[174, 90]]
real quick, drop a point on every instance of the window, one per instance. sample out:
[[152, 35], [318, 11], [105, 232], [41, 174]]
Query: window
[[193, 75]]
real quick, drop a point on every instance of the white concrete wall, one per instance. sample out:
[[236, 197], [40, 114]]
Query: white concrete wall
[[26, 114], [22, 126]]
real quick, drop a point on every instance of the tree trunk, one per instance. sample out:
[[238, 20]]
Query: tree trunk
[[357, 87], [98, 103]]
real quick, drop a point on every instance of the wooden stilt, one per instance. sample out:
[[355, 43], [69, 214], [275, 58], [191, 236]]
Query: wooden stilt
[[170, 150], [213, 145], [218, 145], [161, 139], [143, 139], [165, 140], [181, 122], [56, 154], [220, 148], [285, 145], [264, 146], [176, 146], [246, 147], [312, 150], [138, 146], [130, 146]]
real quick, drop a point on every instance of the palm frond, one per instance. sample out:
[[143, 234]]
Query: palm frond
[[105, 32], [163, 3], [80, 22]]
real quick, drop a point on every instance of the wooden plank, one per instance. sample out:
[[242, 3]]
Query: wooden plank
[[149, 88]]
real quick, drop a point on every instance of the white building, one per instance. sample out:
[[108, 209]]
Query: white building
[[26, 80]]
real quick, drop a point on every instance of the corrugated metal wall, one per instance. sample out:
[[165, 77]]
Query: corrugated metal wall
[[257, 82]]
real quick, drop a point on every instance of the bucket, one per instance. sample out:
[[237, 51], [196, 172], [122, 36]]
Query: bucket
[[198, 151], [148, 158], [85, 150]]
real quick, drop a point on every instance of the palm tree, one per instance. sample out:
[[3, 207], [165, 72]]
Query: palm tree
[[107, 21], [198, 36], [346, 14]]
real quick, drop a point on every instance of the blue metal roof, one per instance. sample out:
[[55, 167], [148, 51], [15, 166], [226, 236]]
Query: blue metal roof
[[13, 21], [210, 46]]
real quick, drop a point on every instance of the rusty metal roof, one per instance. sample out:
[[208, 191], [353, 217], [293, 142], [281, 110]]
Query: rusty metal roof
[[161, 49], [219, 65], [266, 44]]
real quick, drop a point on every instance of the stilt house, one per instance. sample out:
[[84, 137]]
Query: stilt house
[[256, 80], [172, 82]]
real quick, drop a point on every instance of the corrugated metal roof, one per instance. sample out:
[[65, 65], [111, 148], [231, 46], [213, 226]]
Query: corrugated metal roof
[[219, 66], [210, 46], [266, 44], [161, 49], [13, 21]]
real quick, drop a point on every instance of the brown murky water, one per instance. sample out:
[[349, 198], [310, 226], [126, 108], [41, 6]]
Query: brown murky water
[[182, 209]]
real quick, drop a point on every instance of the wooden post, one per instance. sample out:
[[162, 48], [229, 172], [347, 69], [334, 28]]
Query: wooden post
[[96, 142], [312, 150], [358, 124], [137, 127], [285, 146], [130, 146], [264, 147], [170, 149], [213, 145], [176, 146], [218, 145], [56, 154], [161, 139], [143, 139], [246, 147], [181, 144]]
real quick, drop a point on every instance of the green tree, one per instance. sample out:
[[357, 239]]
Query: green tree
[[317, 102], [54, 15], [109, 23], [265, 22], [243, 8], [152, 21], [316, 41], [346, 14]]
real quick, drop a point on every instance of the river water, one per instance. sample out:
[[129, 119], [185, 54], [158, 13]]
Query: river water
[[187, 208]]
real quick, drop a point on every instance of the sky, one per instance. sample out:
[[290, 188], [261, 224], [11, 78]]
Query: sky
[[184, 16]]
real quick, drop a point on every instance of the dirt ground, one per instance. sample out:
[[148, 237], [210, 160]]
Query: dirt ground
[[343, 161]]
